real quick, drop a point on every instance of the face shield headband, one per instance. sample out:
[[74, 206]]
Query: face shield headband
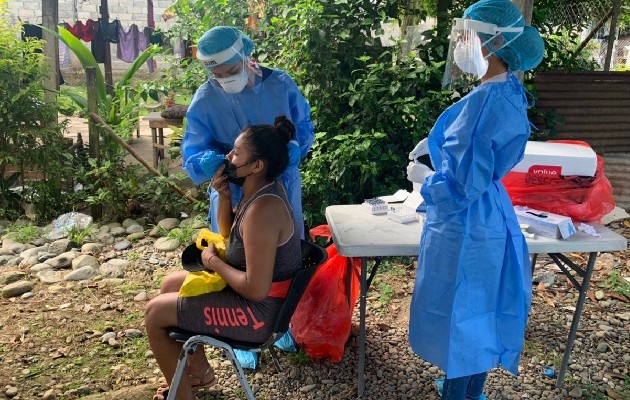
[[210, 61], [466, 62]]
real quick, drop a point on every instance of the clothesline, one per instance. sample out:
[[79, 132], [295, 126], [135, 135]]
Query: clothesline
[[130, 42]]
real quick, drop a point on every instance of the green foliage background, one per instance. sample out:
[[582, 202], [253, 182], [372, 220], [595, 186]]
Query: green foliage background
[[370, 103]]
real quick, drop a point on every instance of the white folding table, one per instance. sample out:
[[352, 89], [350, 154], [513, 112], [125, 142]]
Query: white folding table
[[358, 233]]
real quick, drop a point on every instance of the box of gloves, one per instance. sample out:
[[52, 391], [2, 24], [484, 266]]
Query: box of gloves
[[544, 223], [557, 159]]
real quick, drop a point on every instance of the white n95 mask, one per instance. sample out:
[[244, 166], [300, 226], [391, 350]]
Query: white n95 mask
[[469, 58], [235, 83]]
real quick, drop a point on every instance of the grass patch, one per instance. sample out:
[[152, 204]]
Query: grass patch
[[591, 392], [132, 317], [133, 256], [616, 283], [386, 291], [298, 358], [23, 233], [128, 288], [532, 348], [80, 235], [393, 266]]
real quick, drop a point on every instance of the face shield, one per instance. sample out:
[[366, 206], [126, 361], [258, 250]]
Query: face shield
[[466, 62], [230, 68]]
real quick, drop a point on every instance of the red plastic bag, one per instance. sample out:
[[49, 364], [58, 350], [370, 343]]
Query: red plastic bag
[[322, 320], [582, 199]]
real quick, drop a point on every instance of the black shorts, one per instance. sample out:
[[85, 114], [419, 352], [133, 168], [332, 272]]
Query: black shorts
[[228, 315]]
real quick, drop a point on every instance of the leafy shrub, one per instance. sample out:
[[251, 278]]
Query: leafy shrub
[[31, 141], [370, 104]]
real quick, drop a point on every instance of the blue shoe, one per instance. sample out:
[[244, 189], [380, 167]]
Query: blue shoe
[[439, 385], [247, 359]]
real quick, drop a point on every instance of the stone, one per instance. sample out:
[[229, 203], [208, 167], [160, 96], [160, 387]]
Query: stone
[[168, 223], [166, 244], [575, 392], [142, 296], [134, 237], [81, 274], [49, 276], [91, 248], [122, 245], [17, 288], [12, 276], [135, 229], [40, 267], [63, 260], [12, 246], [128, 222], [59, 246], [118, 231], [133, 333], [85, 260]]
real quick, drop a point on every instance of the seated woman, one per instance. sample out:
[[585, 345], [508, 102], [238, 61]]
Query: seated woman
[[263, 254]]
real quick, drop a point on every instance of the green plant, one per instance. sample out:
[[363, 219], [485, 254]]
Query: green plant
[[385, 290], [617, 283], [31, 142], [370, 104], [9, 198], [23, 233], [133, 256], [298, 358], [79, 235]]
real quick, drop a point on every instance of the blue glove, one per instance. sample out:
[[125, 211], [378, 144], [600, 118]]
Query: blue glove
[[294, 154], [210, 162]]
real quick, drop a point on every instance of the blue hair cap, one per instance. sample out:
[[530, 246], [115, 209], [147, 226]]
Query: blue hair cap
[[524, 51], [221, 38]]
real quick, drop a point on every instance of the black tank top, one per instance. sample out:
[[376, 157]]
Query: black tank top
[[288, 254]]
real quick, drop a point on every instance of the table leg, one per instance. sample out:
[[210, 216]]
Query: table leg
[[534, 258], [583, 288], [155, 149], [362, 305], [161, 143], [365, 281]]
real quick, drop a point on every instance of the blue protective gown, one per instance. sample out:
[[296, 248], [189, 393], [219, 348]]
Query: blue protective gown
[[473, 286], [215, 119]]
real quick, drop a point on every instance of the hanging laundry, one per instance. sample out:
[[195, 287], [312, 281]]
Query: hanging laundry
[[84, 31], [128, 49], [35, 31], [105, 32], [144, 41]]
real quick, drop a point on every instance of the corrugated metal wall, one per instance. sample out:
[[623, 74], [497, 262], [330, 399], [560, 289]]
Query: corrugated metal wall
[[595, 107], [617, 170]]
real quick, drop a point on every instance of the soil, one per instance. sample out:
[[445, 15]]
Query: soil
[[51, 343]]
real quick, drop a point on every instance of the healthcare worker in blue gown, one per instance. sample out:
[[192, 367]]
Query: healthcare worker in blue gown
[[473, 286], [239, 93]]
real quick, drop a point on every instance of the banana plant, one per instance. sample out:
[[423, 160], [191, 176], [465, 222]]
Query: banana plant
[[120, 109]]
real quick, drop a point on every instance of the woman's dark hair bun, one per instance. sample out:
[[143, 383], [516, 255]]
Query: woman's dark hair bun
[[284, 128]]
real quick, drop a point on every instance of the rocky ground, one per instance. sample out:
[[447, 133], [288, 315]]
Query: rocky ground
[[71, 325]]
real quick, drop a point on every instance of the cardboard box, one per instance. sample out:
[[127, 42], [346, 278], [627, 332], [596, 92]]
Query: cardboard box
[[544, 223], [555, 159]]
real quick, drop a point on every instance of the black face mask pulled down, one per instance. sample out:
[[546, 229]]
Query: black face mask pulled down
[[230, 173]]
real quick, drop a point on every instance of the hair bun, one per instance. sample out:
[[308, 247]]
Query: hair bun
[[284, 128]]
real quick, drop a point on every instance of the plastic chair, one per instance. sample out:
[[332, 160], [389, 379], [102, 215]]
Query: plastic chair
[[312, 257]]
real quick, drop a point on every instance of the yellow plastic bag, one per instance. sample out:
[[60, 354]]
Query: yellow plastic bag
[[201, 282]]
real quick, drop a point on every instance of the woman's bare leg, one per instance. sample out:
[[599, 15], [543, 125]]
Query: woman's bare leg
[[161, 313]]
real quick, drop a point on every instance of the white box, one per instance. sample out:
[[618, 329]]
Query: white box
[[545, 223], [555, 159], [402, 214], [375, 205]]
